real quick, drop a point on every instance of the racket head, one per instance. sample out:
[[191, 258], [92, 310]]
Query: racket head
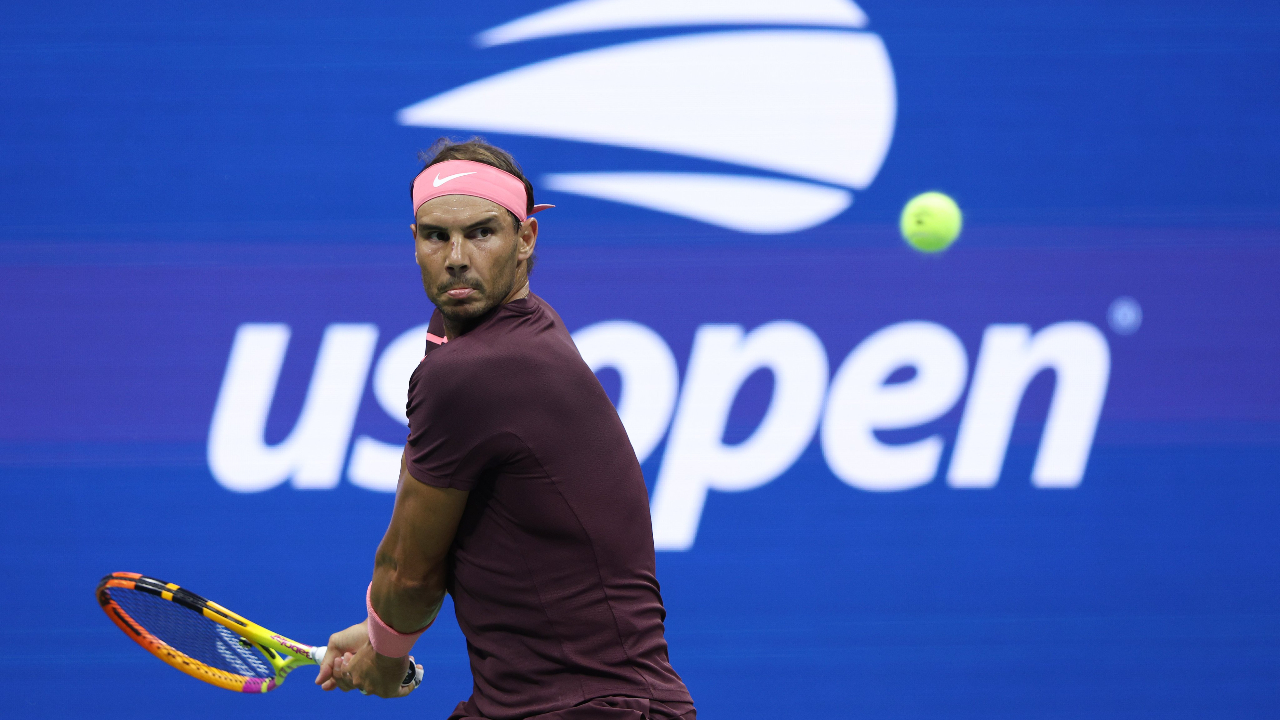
[[199, 637]]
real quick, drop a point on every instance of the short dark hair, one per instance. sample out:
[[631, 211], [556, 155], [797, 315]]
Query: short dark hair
[[477, 150]]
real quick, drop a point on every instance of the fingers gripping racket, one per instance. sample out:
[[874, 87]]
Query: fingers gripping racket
[[204, 639]]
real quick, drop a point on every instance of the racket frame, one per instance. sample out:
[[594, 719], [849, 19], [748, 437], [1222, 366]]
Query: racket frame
[[283, 654]]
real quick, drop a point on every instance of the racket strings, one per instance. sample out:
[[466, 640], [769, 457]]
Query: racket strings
[[192, 634]]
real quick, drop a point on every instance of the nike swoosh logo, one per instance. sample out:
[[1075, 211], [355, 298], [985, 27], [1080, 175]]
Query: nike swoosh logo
[[440, 181]]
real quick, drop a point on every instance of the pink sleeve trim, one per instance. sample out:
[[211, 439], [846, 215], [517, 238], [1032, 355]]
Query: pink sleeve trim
[[385, 639]]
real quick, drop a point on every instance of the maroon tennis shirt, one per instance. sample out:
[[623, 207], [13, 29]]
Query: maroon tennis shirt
[[552, 570]]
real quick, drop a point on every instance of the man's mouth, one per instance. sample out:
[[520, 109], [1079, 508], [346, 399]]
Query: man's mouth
[[460, 293]]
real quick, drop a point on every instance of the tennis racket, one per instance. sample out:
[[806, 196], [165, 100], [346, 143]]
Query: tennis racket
[[204, 639]]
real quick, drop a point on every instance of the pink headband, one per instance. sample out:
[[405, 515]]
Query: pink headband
[[464, 177]]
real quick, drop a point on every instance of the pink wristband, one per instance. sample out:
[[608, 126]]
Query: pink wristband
[[385, 639]]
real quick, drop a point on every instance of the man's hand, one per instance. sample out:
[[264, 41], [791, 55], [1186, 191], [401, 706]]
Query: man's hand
[[343, 643], [350, 663], [373, 674]]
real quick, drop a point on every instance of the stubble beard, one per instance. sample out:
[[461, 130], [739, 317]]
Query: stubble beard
[[461, 317]]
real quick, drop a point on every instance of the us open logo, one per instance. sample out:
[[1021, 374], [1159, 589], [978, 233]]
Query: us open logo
[[791, 69], [843, 410]]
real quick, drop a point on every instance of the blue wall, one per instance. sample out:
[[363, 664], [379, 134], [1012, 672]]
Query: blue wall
[[172, 173]]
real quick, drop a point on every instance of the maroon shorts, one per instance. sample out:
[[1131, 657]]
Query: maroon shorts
[[605, 708]]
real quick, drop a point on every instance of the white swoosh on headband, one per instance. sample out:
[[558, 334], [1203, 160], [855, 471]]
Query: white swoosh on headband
[[440, 181]]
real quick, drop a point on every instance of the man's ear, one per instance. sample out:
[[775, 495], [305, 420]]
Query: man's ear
[[527, 238]]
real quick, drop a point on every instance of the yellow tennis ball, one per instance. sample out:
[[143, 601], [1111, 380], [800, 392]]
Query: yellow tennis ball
[[931, 222]]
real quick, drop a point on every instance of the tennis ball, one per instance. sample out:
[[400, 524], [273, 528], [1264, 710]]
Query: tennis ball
[[930, 222]]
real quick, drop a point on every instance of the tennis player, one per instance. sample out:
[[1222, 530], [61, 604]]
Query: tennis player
[[519, 493]]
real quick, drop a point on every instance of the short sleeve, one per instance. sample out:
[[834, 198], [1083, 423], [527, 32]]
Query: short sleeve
[[455, 421]]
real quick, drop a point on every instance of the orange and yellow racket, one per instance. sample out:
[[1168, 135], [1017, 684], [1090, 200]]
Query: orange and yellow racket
[[204, 639]]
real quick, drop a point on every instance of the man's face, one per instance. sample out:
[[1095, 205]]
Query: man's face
[[471, 255]]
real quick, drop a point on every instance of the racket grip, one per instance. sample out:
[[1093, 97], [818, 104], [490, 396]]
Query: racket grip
[[414, 676], [317, 653]]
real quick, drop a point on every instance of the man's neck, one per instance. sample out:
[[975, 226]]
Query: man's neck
[[519, 293]]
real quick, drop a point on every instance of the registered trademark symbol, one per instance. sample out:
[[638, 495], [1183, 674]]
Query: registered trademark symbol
[[1124, 316]]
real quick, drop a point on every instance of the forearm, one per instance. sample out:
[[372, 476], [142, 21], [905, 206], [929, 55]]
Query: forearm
[[407, 602]]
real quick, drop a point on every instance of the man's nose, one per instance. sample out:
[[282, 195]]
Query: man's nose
[[457, 255]]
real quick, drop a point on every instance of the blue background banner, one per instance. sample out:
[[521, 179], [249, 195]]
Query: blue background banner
[[1032, 476]]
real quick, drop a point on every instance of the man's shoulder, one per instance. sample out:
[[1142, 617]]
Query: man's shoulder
[[528, 327], [515, 344]]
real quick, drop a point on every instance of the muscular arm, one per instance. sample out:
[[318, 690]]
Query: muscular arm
[[409, 577], [409, 571]]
